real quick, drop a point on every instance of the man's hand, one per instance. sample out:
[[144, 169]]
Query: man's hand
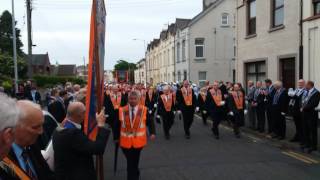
[[197, 109], [101, 119], [245, 112], [155, 105], [222, 103], [150, 112], [152, 137]]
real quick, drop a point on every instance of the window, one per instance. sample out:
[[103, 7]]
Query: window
[[178, 52], [256, 71], [202, 78], [179, 76], [251, 17], [185, 75], [316, 5], [225, 19], [277, 13], [183, 50], [199, 48]]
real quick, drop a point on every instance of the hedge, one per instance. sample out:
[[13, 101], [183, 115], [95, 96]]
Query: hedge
[[50, 81]]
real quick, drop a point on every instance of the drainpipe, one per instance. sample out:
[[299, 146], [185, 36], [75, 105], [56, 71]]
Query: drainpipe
[[301, 42]]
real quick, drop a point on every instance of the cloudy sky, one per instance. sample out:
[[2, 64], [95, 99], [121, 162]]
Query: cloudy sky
[[61, 27]]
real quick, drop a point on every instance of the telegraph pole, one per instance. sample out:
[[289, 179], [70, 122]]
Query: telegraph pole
[[14, 50], [29, 24]]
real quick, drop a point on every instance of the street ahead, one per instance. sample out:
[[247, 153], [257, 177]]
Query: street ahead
[[205, 158]]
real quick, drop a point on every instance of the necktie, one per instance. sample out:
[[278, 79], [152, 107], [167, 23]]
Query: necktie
[[25, 156], [132, 115]]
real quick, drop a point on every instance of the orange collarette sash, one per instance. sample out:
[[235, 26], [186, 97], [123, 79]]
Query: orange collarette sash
[[167, 103], [136, 122], [187, 96], [116, 102], [217, 96], [238, 99], [19, 172]]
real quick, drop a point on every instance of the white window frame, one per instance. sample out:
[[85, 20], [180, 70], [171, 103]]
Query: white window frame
[[199, 45], [224, 15]]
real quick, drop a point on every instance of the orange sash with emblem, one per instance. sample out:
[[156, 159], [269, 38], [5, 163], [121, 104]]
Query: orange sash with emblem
[[187, 95], [18, 171], [116, 100], [167, 103], [136, 122], [238, 99], [217, 96]]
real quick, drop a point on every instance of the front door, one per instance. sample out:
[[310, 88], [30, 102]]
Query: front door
[[288, 72]]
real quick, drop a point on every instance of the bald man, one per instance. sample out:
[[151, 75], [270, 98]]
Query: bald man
[[24, 153], [73, 150]]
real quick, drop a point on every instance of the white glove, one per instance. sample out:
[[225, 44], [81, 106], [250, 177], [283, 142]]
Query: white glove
[[222, 103], [179, 112], [155, 105], [158, 116], [197, 109], [231, 113], [106, 116], [150, 112], [247, 102], [282, 113], [204, 112], [245, 112], [174, 112]]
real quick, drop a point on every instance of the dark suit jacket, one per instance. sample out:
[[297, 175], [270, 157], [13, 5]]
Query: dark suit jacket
[[282, 105], [181, 103], [161, 109], [270, 98], [57, 110], [232, 104], [37, 97], [213, 109], [7, 173], [201, 103], [150, 102], [73, 153], [40, 165], [309, 111]]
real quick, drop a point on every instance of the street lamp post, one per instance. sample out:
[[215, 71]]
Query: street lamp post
[[14, 50], [145, 52]]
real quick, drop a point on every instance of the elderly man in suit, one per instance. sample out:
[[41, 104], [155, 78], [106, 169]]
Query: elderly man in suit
[[310, 101], [74, 150], [24, 153], [9, 116]]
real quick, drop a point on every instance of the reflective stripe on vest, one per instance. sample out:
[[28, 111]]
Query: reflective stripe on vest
[[133, 134]]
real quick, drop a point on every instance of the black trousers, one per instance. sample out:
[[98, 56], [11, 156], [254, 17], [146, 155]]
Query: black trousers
[[216, 118], [187, 120], [167, 122], [204, 117], [133, 157], [261, 117], [279, 124], [310, 131], [252, 116], [270, 120], [297, 118], [238, 121]]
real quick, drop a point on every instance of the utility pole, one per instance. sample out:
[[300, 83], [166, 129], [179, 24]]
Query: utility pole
[[14, 50], [29, 24]]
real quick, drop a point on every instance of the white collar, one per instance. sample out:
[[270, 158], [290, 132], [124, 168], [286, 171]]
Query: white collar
[[78, 126]]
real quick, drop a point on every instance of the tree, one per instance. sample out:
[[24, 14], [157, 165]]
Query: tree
[[6, 45], [7, 66], [123, 65], [6, 50]]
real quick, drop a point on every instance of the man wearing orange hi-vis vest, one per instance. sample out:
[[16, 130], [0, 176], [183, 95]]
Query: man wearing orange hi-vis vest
[[133, 133]]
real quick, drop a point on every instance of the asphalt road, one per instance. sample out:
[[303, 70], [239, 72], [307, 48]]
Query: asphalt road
[[205, 158]]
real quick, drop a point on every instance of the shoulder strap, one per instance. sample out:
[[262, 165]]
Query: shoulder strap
[[19, 172]]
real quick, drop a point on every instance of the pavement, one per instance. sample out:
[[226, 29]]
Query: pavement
[[252, 157]]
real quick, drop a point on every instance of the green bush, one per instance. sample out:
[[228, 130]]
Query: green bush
[[6, 85], [49, 81]]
